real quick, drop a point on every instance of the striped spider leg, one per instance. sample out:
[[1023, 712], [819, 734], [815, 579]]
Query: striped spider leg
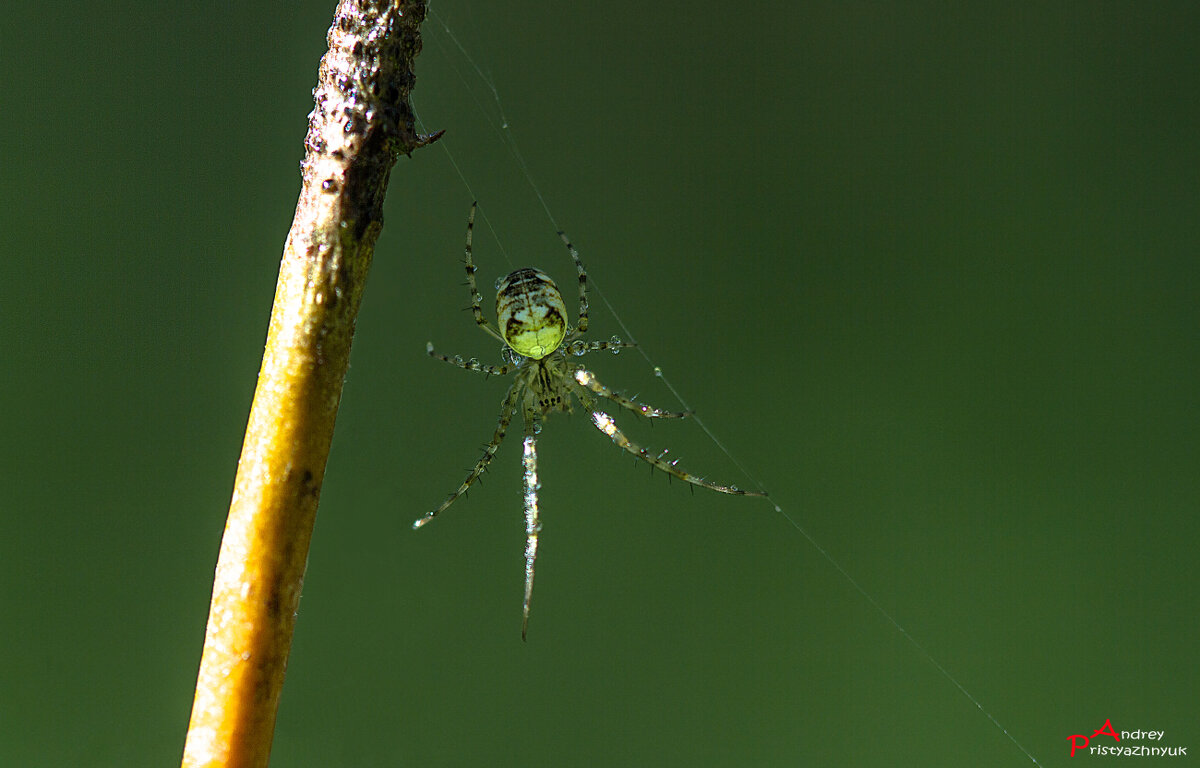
[[539, 349]]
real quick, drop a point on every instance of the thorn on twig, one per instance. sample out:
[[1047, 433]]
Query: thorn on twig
[[425, 139]]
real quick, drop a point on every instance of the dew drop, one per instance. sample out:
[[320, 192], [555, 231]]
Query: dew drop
[[473, 362], [499, 282], [578, 348], [458, 360]]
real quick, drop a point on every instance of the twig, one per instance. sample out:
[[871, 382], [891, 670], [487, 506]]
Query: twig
[[362, 121]]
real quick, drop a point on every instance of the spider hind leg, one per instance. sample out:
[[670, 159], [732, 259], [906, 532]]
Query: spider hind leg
[[586, 378], [506, 414], [605, 424]]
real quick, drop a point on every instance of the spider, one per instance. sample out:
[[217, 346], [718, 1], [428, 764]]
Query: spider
[[538, 347]]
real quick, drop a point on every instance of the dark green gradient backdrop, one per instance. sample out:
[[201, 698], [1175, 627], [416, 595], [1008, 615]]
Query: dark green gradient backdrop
[[928, 270]]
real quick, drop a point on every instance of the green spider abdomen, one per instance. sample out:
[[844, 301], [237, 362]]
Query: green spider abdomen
[[532, 315]]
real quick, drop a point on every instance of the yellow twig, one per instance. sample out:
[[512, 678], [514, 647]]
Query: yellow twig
[[361, 122]]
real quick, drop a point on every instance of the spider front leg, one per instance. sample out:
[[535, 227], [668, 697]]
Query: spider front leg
[[582, 326], [506, 414], [588, 379], [476, 298], [605, 424], [470, 365], [533, 525]]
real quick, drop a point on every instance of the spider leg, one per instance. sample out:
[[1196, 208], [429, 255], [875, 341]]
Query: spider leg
[[583, 299], [476, 299], [588, 379], [506, 414], [579, 347], [470, 365], [605, 424], [533, 525]]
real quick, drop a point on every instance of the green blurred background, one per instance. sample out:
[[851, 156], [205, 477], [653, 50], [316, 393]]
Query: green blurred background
[[929, 271]]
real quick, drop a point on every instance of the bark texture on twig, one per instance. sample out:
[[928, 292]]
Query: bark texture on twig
[[361, 123]]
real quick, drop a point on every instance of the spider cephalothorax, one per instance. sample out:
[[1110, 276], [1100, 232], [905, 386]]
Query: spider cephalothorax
[[539, 346]]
